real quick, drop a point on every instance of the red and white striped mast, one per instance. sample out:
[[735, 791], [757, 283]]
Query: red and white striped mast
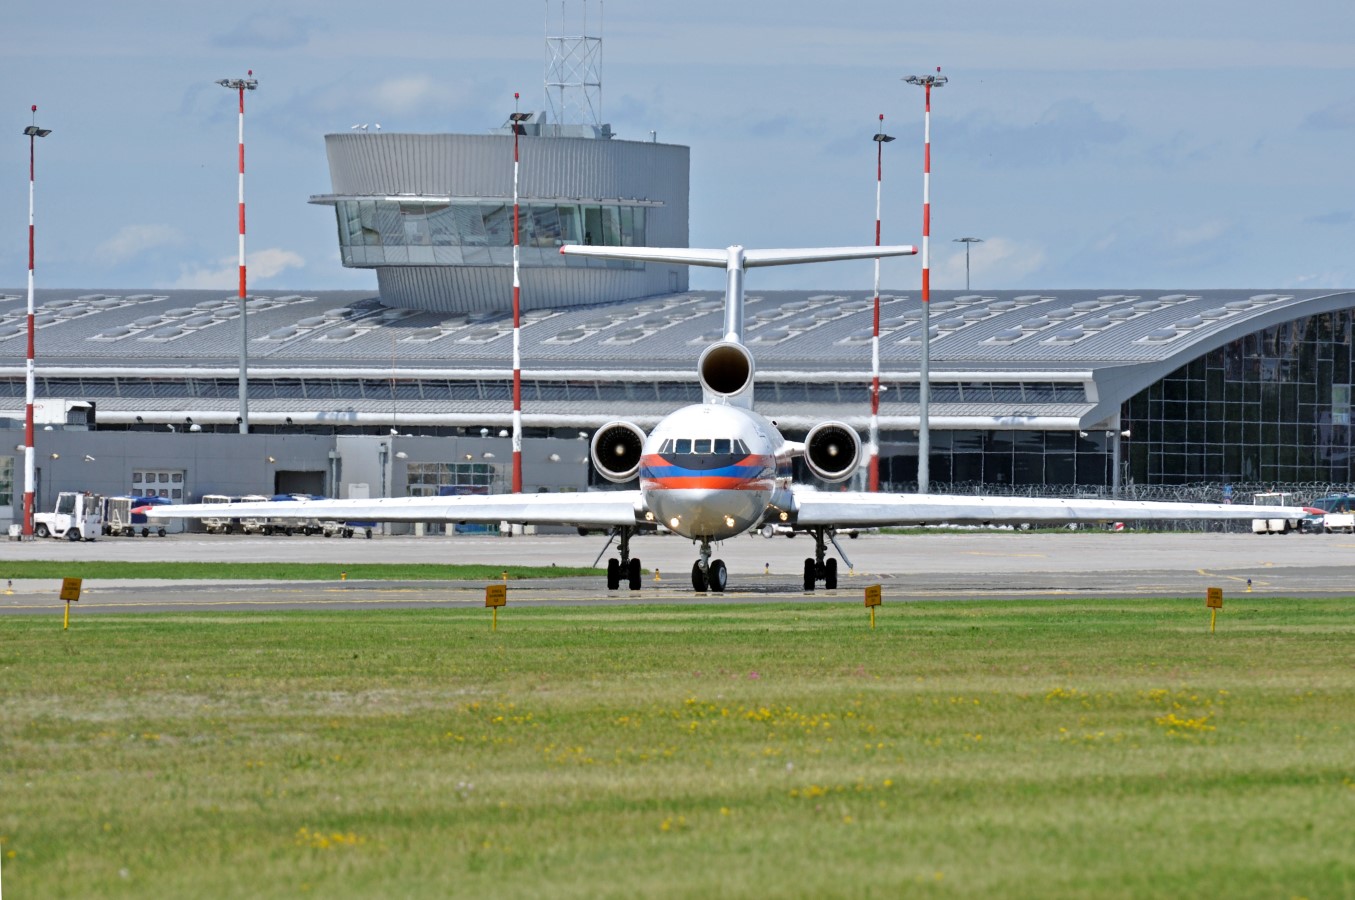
[[241, 85], [874, 483], [30, 379], [517, 119], [924, 438]]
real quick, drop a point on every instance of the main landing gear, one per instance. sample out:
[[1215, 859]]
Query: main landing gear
[[709, 574], [627, 567], [819, 569]]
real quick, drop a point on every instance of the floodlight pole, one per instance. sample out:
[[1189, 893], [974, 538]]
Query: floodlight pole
[[516, 121], [241, 85], [30, 378], [874, 468], [967, 241], [924, 438]]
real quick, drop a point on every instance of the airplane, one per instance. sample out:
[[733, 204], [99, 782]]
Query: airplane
[[714, 470]]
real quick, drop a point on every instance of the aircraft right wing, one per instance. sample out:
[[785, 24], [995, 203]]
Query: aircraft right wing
[[864, 510], [592, 509]]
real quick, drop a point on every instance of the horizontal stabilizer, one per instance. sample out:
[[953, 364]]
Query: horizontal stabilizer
[[821, 254], [694, 256]]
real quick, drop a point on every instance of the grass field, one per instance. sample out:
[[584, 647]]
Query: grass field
[[990, 749], [279, 571]]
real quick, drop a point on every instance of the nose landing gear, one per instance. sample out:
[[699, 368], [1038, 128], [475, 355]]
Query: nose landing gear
[[709, 574]]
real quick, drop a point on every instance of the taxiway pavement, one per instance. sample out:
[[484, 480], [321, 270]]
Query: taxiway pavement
[[941, 566]]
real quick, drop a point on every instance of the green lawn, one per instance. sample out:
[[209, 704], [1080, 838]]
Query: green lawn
[[1044, 749]]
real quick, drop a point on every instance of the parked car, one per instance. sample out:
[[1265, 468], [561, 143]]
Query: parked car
[[1335, 512]]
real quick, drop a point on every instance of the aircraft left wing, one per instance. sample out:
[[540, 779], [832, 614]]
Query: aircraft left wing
[[593, 509], [865, 510]]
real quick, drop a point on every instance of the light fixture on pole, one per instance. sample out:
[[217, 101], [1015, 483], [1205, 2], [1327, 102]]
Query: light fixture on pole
[[924, 438], [241, 85], [874, 466], [517, 119], [967, 241], [30, 378]]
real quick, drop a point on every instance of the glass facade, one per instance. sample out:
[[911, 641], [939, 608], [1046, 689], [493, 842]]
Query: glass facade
[[443, 478], [1273, 406], [966, 459], [480, 233]]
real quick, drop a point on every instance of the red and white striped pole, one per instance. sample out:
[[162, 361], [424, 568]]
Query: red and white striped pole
[[874, 481], [517, 120], [241, 85], [924, 438], [30, 375]]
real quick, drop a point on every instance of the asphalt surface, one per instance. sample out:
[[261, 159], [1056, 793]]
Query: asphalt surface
[[942, 566]]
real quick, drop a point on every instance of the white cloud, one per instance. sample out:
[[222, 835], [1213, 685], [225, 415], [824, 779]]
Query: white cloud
[[401, 95], [995, 264], [261, 264], [133, 240], [1203, 233]]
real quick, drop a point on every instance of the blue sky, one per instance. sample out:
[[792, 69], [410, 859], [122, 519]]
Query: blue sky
[[1146, 144]]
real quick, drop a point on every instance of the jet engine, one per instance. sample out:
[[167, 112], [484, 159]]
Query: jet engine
[[616, 449], [832, 451], [726, 370]]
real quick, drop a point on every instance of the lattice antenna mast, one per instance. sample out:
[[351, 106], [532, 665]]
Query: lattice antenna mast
[[573, 64]]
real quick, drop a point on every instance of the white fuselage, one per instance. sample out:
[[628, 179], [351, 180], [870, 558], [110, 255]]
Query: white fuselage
[[711, 471]]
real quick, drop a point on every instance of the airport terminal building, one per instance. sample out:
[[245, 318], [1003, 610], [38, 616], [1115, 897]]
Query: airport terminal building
[[407, 389]]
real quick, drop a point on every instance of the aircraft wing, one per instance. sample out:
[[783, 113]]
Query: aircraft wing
[[864, 510], [594, 509]]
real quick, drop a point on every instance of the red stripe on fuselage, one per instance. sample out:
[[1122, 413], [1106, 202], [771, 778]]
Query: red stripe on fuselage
[[706, 483]]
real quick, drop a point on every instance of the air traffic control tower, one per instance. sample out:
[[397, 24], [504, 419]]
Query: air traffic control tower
[[433, 213]]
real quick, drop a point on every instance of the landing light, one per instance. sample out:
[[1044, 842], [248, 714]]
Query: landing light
[[673, 523], [729, 521]]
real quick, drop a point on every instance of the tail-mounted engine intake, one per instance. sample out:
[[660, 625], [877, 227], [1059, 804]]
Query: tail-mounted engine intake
[[726, 371], [832, 451], [616, 449]]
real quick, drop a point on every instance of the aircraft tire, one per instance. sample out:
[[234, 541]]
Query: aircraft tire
[[718, 577], [613, 574], [634, 574], [698, 578], [830, 575], [811, 574]]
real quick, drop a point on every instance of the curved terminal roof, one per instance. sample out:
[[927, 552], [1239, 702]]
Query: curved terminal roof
[[1112, 344]]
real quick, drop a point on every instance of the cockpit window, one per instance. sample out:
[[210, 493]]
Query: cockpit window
[[722, 445], [701, 446], [682, 445]]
